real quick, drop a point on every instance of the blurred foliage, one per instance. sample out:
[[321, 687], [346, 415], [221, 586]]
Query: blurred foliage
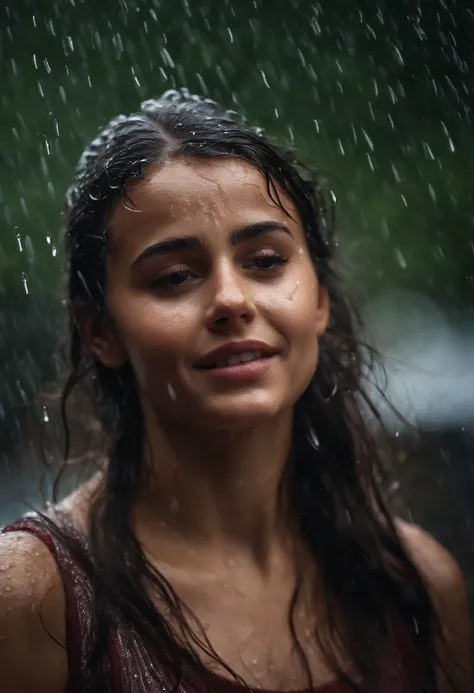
[[377, 95]]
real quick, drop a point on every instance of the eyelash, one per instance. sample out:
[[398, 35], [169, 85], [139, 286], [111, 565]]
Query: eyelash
[[166, 282], [277, 259]]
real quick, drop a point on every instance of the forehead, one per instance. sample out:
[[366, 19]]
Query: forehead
[[213, 191]]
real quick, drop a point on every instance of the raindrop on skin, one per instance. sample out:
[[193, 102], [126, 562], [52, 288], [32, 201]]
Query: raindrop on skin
[[172, 393], [293, 291]]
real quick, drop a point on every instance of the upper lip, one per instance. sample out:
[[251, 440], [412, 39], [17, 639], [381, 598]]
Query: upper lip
[[225, 351]]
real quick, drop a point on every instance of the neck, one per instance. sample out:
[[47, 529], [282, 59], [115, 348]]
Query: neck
[[216, 490]]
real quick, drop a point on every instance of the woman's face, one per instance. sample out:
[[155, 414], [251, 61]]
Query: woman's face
[[212, 295]]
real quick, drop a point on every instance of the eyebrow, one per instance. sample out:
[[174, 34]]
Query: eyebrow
[[176, 245]]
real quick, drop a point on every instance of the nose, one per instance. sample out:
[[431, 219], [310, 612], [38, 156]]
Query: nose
[[232, 306]]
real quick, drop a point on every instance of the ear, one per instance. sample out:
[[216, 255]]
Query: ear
[[100, 337], [323, 310]]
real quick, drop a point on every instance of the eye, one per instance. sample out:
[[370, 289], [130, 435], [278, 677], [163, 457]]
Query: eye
[[174, 279], [267, 261]]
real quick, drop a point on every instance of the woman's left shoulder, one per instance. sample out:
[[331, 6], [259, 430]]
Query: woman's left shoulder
[[436, 565], [444, 582]]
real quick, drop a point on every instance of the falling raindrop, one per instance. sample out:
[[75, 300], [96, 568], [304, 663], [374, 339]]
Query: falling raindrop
[[400, 258], [25, 283]]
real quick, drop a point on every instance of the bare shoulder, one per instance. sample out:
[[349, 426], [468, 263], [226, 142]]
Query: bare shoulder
[[445, 584], [32, 617], [435, 564]]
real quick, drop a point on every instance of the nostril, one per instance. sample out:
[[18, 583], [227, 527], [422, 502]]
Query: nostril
[[221, 321]]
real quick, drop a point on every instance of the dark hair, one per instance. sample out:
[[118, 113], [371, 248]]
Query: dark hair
[[333, 479]]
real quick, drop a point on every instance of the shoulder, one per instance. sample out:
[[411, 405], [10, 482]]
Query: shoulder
[[444, 582], [32, 617], [437, 567]]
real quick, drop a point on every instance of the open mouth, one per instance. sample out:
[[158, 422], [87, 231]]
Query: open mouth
[[237, 359]]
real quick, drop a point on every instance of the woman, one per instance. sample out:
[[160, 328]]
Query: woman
[[236, 535]]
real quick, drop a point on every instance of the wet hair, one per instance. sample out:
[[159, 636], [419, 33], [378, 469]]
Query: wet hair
[[334, 477]]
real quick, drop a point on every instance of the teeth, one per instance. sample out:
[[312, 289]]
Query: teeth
[[239, 358], [249, 357]]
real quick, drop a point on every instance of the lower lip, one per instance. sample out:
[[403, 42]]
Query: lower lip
[[240, 372]]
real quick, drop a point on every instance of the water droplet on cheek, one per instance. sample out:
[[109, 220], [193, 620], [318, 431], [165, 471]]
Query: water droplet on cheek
[[171, 393], [293, 291]]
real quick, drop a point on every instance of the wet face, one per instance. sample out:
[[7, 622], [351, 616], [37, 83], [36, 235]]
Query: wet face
[[212, 296]]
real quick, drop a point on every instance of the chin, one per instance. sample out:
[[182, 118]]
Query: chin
[[239, 416]]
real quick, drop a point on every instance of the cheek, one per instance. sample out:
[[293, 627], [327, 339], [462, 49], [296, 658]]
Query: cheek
[[154, 335], [295, 304], [295, 316]]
